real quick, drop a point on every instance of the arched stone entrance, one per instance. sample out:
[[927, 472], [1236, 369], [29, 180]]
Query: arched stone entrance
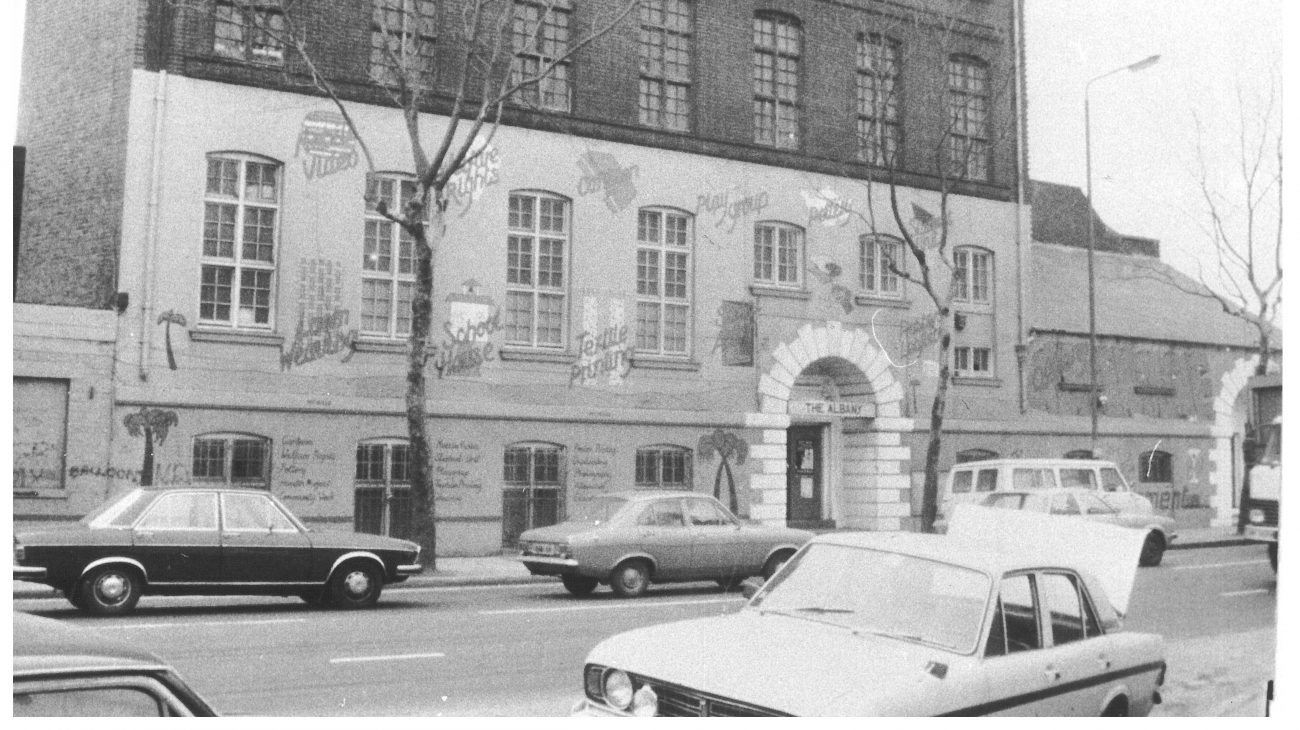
[[864, 466], [1228, 418]]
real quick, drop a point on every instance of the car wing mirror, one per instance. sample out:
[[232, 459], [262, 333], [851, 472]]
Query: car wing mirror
[[750, 586]]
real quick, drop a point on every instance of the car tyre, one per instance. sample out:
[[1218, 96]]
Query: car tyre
[[108, 590], [579, 585], [631, 579], [1153, 550], [355, 585], [1272, 555], [775, 562]]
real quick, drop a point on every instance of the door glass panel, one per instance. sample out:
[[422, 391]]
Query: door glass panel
[[1015, 623], [254, 512], [181, 512], [988, 480], [88, 702], [1062, 601], [664, 513], [806, 456], [705, 513]]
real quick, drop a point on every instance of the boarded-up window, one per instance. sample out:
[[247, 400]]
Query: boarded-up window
[[736, 333], [40, 432]]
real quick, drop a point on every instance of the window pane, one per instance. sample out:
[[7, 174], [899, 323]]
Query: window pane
[[181, 512], [1078, 478], [370, 462], [209, 459], [1061, 599], [248, 460], [1017, 615], [987, 481]]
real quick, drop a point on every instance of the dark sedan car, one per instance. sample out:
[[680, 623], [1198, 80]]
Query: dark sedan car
[[207, 541], [62, 671], [629, 539]]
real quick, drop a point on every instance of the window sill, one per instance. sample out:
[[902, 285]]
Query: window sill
[[661, 362], [1154, 390], [529, 355], [867, 299], [964, 306], [395, 347], [977, 381], [768, 290], [237, 337]]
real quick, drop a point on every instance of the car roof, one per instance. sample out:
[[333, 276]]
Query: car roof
[[1034, 462], [939, 548], [641, 495], [43, 645]]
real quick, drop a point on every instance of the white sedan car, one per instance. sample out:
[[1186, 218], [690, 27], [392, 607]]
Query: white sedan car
[[1010, 613]]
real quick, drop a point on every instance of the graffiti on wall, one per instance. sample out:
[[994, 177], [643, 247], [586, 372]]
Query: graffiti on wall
[[327, 145], [601, 173], [828, 272], [736, 327], [829, 208], [323, 326], [169, 318], [471, 321], [479, 172], [728, 447], [593, 469], [456, 469], [1138, 379], [299, 463], [37, 465], [728, 207], [603, 347], [153, 424], [927, 228]]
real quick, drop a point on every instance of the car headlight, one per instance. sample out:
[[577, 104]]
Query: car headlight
[[617, 688], [1257, 515], [645, 703]]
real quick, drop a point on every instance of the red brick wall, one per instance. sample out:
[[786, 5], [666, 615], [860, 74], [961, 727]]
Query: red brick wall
[[77, 60]]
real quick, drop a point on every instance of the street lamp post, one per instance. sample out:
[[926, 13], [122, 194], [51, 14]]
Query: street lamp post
[[1092, 243]]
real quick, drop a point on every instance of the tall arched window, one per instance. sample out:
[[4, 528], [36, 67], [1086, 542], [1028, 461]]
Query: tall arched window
[[532, 494], [663, 281], [238, 459], [382, 503]]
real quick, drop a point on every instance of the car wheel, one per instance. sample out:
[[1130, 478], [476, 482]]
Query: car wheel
[[1272, 555], [1118, 707], [1153, 550], [108, 591], [355, 585], [579, 585], [775, 562], [631, 579]]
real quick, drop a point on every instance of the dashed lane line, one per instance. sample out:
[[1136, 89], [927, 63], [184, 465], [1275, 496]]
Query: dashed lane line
[[1219, 565], [604, 606], [174, 624], [1249, 592], [386, 658]]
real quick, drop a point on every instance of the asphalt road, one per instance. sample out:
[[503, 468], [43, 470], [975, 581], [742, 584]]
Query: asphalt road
[[518, 650]]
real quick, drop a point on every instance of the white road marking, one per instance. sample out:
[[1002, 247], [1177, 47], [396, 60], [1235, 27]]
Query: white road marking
[[172, 624], [1219, 565], [387, 658], [1250, 592], [606, 606]]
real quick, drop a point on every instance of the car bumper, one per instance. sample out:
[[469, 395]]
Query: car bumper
[[407, 571], [1261, 533], [540, 565], [586, 708], [29, 572]]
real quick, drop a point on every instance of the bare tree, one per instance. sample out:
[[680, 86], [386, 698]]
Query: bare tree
[[486, 40]]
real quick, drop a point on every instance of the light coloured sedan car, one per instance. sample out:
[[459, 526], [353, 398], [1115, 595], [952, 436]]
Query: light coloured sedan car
[[1160, 530], [629, 539], [1011, 613]]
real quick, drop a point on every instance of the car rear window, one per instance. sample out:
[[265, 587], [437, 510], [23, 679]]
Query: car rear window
[[961, 481], [987, 481], [1078, 478], [120, 512], [1032, 478]]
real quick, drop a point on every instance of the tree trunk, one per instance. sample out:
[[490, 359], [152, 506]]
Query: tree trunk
[[424, 519], [1264, 351], [146, 469], [930, 488]]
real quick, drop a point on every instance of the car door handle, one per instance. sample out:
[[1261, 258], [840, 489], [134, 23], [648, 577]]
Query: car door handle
[[1103, 662], [1053, 674]]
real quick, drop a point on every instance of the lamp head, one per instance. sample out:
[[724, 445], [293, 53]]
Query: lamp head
[[1147, 62]]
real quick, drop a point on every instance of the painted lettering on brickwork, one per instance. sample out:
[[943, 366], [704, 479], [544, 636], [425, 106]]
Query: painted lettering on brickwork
[[480, 172], [592, 470], [301, 462], [736, 328], [828, 208], [601, 173], [472, 320], [323, 325], [604, 348], [728, 207], [457, 469], [327, 145]]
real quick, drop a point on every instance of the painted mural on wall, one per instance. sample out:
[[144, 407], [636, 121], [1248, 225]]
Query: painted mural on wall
[[323, 327], [727, 446], [480, 172], [604, 347], [1137, 379], [828, 208], [728, 207], [472, 320], [169, 318], [828, 273], [601, 173], [736, 328], [326, 144], [153, 424]]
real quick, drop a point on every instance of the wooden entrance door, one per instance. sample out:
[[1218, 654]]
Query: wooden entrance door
[[803, 469]]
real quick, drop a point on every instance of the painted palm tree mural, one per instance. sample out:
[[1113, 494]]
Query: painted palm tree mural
[[152, 423], [726, 446], [170, 317]]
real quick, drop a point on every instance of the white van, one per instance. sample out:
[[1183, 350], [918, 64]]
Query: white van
[[971, 480]]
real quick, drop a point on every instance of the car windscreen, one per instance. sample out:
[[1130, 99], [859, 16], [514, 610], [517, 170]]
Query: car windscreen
[[597, 511], [1091, 504], [876, 592], [119, 512]]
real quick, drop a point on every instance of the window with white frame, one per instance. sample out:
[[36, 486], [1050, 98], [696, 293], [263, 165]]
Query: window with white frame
[[778, 254], [665, 43], [881, 257], [241, 208], [382, 503], [663, 466], [663, 282], [536, 246], [972, 361], [249, 31], [387, 260], [968, 118], [972, 275], [879, 129], [232, 458], [402, 35], [778, 47], [539, 35]]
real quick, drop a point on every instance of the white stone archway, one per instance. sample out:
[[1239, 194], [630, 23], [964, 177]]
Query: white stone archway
[[875, 481], [1222, 459]]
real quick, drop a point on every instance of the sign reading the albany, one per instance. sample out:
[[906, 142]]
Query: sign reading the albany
[[831, 408]]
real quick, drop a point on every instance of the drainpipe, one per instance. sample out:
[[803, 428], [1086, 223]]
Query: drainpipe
[[1022, 169], [151, 232]]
